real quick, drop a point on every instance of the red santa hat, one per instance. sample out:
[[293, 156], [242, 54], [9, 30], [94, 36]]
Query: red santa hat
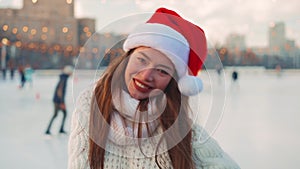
[[183, 42]]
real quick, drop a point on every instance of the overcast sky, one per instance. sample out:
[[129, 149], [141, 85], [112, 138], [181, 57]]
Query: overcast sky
[[218, 18]]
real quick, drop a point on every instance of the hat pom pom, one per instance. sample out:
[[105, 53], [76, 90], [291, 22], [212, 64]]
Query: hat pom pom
[[190, 85]]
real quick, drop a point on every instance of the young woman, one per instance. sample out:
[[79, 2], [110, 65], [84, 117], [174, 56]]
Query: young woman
[[137, 115]]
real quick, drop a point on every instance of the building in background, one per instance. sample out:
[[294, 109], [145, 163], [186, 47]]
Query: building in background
[[280, 52], [236, 46], [277, 38], [235, 42], [283, 51], [46, 35], [45, 31]]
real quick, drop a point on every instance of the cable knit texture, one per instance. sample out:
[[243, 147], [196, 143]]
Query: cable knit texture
[[206, 154]]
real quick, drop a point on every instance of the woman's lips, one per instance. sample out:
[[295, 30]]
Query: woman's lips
[[140, 86]]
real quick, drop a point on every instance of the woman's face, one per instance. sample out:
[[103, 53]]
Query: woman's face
[[147, 70]]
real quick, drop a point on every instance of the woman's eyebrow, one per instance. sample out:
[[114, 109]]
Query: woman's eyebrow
[[161, 65], [145, 55]]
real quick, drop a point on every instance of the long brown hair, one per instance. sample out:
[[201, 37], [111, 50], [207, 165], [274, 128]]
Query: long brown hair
[[175, 115]]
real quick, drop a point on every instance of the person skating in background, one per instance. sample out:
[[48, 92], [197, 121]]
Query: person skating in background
[[11, 66], [28, 71], [235, 76], [22, 76], [59, 99]]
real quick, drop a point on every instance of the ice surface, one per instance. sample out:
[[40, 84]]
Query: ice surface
[[256, 120]]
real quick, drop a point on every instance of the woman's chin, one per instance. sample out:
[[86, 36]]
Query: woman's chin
[[141, 96], [138, 95]]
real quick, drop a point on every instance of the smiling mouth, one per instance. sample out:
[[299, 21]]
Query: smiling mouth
[[141, 86]]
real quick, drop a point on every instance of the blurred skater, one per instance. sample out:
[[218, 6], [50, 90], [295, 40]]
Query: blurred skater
[[3, 60], [219, 69], [235, 76], [278, 70], [11, 66], [59, 99], [28, 71], [22, 76], [234, 81]]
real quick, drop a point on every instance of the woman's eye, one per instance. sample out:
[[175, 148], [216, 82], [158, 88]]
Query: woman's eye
[[161, 71], [142, 60]]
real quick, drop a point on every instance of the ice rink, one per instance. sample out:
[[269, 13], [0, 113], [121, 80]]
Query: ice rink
[[257, 119]]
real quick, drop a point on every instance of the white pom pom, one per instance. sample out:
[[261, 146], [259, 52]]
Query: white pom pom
[[190, 85]]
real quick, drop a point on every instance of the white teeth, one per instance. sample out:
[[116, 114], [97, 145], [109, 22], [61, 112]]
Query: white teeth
[[140, 85]]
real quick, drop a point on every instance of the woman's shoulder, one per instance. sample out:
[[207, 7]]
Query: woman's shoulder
[[199, 133], [85, 95], [202, 140], [207, 152], [83, 105]]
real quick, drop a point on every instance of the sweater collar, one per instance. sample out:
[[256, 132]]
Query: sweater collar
[[126, 113], [127, 107]]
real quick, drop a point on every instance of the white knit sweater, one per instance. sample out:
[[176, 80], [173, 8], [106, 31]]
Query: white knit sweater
[[207, 155]]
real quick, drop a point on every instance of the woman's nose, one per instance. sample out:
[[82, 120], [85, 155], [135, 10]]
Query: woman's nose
[[147, 74]]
